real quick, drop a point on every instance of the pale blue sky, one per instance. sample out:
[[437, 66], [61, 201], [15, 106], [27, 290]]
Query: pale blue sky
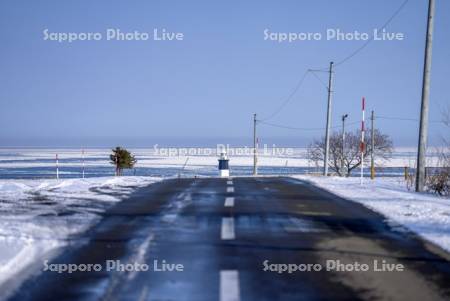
[[206, 87]]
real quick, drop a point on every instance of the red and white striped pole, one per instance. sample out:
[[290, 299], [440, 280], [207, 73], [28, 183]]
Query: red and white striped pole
[[362, 146], [57, 167]]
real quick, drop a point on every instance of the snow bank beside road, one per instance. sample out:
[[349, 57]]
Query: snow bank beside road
[[37, 216], [425, 214]]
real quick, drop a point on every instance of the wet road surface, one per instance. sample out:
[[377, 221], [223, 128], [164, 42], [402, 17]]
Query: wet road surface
[[232, 239]]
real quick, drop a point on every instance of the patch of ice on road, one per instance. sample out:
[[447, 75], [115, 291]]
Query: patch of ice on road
[[37, 216], [302, 225], [425, 214]]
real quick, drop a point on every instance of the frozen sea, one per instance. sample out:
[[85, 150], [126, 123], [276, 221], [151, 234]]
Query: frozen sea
[[27, 163]]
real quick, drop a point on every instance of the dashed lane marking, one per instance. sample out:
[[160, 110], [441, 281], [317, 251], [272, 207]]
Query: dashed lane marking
[[227, 231], [229, 285], [229, 202], [314, 213]]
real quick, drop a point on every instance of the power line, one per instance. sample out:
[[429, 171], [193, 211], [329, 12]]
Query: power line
[[289, 98], [396, 118], [351, 55], [404, 119], [336, 126], [298, 128], [313, 72]]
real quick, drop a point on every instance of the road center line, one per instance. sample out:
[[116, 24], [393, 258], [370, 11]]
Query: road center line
[[229, 285], [227, 231], [230, 189], [230, 182], [229, 202], [316, 213]]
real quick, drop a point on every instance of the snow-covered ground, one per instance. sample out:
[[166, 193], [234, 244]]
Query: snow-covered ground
[[38, 216], [170, 157], [168, 162], [425, 214]]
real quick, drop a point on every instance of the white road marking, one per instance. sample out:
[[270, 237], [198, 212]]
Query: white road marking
[[229, 285], [227, 231], [230, 182], [229, 202], [230, 189], [188, 197], [314, 213]]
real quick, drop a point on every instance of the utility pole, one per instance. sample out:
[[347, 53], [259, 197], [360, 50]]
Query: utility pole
[[327, 131], [423, 130], [372, 153], [255, 148], [343, 142]]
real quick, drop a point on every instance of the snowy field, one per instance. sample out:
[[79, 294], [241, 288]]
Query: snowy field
[[37, 217], [41, 163], [422, 213]]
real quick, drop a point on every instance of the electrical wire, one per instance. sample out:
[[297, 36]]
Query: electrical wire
[[404, 119], [313, 72], [289, 98], [351, 55], [336, 126], [396, 118], [302, 129]]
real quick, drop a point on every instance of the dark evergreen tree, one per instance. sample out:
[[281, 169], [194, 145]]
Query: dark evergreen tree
[[121, 159]]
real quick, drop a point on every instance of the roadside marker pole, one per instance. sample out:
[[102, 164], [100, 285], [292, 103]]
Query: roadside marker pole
[[372, 152], [343, 143], [57, 167], [82, 159], [255, 147], [362, 138]]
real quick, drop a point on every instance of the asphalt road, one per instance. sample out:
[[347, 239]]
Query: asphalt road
[[233, 240]]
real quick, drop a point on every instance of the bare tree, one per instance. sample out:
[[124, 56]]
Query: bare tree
[[446, 116], [439, 182], [344, 160], [446, 122]]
